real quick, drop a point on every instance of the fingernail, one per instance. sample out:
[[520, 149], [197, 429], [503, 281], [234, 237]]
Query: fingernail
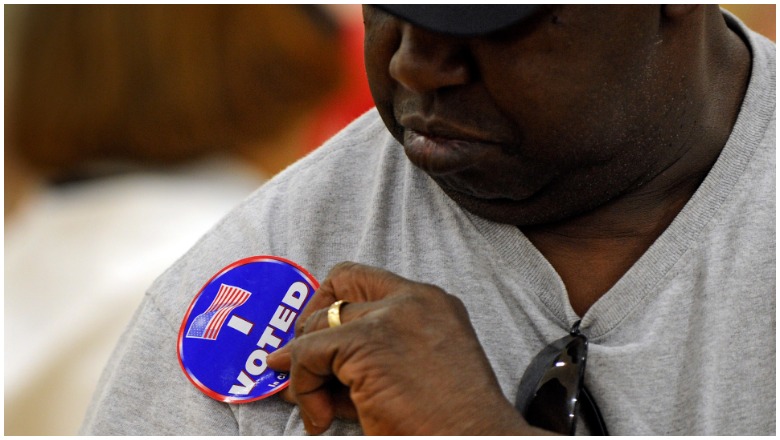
[[309, 420]]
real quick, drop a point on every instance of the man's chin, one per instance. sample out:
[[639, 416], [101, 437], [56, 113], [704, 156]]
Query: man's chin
[[501, 210]]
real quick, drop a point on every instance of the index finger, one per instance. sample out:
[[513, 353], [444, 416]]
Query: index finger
[[352, 282]]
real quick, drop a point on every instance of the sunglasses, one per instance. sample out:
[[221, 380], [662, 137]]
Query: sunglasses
[[552, 394]]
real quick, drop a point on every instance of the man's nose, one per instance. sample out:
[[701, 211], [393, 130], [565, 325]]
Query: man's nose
[[426, 61]]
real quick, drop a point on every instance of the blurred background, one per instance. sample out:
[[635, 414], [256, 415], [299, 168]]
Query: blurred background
[[760, 18], [129, 131]]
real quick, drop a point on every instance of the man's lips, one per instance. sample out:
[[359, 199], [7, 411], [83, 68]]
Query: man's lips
[[441, 147], [463, 159], [436, 127], [439, 155], [457, 164]]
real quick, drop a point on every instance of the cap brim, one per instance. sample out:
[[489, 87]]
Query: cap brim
[[462, 20]]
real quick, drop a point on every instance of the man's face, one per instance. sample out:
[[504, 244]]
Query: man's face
[[548, 119]]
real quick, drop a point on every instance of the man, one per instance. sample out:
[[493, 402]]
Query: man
[[601, 172]]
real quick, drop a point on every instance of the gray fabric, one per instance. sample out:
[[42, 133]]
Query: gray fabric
[[684, 343]]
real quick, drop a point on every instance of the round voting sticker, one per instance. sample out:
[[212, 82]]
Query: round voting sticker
[[242, 314]]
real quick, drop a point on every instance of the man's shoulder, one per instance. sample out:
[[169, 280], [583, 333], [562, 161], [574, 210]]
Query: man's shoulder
[[360, 140], [344, 170]]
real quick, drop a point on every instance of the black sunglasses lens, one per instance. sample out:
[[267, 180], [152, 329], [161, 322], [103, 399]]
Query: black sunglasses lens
[[549, 390]]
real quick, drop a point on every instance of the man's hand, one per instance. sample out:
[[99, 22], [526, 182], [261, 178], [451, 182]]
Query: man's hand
[[405, 360]]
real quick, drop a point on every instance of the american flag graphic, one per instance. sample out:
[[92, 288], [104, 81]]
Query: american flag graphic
[[208, 324]]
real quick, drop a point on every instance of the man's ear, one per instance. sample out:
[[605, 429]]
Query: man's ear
[[678, 11]]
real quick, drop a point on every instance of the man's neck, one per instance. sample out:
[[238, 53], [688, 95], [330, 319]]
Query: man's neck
[[593, 251]]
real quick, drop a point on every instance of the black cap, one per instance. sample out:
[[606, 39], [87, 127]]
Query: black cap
[[462, 20]]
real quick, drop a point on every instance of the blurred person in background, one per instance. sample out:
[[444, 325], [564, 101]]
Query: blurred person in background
[[353, 97], [130, 130], [760, 18]]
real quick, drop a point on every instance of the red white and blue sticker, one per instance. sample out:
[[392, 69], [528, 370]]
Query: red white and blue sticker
[[242, 314]]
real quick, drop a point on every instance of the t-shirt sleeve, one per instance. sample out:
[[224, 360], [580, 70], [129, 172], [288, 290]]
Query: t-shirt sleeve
[[143, 392]]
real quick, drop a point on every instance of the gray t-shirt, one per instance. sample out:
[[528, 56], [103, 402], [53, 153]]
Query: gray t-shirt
[[684, 343]]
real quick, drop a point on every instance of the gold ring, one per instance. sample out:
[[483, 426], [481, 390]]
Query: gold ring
[[334, 313]]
